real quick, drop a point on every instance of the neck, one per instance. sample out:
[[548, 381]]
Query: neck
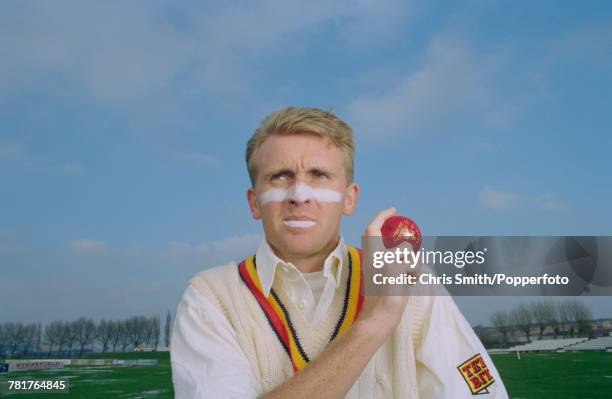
[[312, 262]]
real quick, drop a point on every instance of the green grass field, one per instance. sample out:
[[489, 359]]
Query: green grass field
[[538, 376], [134, 382], [557, 375]]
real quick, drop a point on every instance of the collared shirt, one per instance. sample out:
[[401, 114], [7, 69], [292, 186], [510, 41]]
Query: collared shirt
[[208, 362], [312, 292]]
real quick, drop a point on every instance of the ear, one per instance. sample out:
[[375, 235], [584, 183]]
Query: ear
[[350, 199], [252, 199]]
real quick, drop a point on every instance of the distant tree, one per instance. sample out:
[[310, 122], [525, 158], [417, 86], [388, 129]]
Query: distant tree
[[147, 331], [16, 334], [114, 329], [124, 335], [501, 321], [70, 332], [39, 331], [544, 314], [136, 329], [520, 319], [104, 333], [17, 339], [483, 333], [552, 317], [28, 338], [581, 314], [84, 330], [167, 328], [155, 322], [8, 334], [52, 335], [63, 336], [565, 319], [2, 339]]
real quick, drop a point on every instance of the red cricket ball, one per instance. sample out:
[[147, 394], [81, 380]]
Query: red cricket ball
[[398, 229]]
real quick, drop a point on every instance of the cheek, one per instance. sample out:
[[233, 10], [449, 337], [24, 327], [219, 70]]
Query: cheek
[[331, 212], [270, 211]]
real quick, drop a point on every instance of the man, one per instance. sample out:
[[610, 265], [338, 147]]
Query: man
[[291, 321]]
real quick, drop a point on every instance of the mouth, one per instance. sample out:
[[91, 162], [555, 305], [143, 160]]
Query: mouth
[[299, 222]]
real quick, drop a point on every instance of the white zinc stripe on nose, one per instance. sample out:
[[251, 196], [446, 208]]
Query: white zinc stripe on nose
[[300, 192]]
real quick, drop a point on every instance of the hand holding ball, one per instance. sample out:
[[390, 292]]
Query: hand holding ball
[[398, 229]]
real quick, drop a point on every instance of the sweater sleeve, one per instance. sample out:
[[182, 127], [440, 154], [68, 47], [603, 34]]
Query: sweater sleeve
[[207, 361], [451, 360]]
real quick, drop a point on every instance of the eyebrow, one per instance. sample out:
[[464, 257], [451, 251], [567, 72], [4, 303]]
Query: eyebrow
[[319, 169], [278, 171], [289, 171]]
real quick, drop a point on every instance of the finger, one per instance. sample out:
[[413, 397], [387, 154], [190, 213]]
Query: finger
[[375, 225]]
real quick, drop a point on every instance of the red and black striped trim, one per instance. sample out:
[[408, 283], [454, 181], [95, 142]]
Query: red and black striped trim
[[279, 319]]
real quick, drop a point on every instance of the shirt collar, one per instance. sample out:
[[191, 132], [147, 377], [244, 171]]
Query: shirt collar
[[267, 264]]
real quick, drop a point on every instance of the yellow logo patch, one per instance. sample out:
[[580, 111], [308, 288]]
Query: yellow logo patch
[[476, 373]]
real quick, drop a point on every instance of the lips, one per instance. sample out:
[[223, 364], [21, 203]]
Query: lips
[[299, 222]]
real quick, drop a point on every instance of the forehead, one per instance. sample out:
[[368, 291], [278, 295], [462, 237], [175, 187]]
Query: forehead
[[298, 151]]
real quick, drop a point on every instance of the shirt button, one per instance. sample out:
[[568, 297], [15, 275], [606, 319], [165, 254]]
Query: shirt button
[[302, 305]]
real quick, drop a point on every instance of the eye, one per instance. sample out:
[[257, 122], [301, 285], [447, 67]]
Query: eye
[[282, 176], [320, 175]]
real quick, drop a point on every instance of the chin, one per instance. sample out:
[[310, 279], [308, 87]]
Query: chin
[[300, 245]]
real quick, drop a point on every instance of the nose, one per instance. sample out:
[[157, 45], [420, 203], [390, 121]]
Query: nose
[[295, 202], [300, 193]]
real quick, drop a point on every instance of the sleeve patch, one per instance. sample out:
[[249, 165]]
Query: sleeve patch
[[476, 374]]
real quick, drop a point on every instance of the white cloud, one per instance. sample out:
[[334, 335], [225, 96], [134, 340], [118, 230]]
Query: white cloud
[[16, 153], [180, 250], [211, 253], [591, 44], [498, 200], [19, 154], [372, 21], [87, 246], [236, 245], [453, 80], [12, 151], [175, 253], [125, 281], [124, 53], [115, 59], [551, 203]]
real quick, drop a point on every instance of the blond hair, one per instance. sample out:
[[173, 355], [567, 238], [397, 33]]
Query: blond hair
[[297, 120]]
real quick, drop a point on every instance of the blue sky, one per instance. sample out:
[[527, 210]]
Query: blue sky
[[124, 125]]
